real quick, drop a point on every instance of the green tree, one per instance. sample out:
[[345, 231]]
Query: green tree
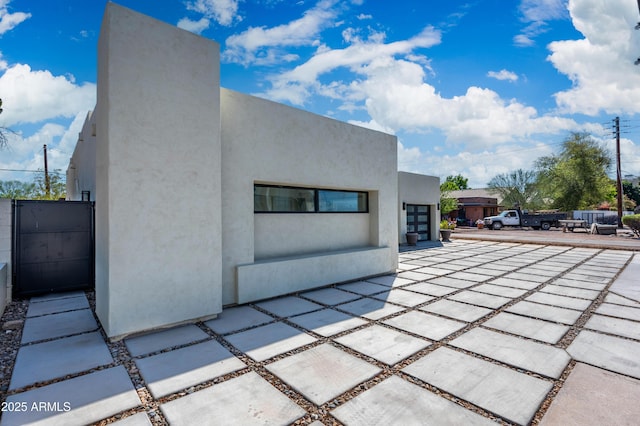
[[16, 189], [451, 183], [454, 183], [632, 192], [517, 188], [576, 178], [57, 184]]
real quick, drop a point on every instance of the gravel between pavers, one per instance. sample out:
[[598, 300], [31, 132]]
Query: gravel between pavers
[[15, 314]]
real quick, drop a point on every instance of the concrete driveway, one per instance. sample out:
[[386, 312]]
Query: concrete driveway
[[470, 332]]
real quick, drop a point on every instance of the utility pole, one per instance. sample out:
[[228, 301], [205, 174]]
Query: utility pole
[[47, 184], [619, 171]]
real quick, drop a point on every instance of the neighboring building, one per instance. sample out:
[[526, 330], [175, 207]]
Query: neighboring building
[[418, 199], [475, 204], [206, 197]]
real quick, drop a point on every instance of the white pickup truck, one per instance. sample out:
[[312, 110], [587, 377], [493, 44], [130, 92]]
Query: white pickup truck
[[518, 218]]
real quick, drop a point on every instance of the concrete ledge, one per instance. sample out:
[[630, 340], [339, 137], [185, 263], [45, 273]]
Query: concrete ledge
[[597, 228], [274, 277]]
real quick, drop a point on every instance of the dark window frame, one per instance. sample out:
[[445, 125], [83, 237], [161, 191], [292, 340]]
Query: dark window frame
[[316, 200]]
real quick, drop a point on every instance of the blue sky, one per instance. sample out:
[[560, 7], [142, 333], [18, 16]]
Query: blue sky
[[477, 88]]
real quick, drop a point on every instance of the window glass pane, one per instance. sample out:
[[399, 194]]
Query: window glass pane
[[342, 201], [276, 199]]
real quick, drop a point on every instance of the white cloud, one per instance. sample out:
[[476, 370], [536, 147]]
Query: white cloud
[[600, 65], [478, 167], [32, 96], [8, 20], [261, 45], [296, 85], [536, 13], [363, 16], [394, 92], [503, 75], [196, 27], [224, 12]]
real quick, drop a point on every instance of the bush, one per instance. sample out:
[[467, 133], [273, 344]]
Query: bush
[[633, 222]]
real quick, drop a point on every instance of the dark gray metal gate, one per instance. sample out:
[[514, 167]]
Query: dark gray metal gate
[[53, 246]]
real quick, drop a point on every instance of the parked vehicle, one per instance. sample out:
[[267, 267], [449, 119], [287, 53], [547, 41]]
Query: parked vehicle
[[518, 218]]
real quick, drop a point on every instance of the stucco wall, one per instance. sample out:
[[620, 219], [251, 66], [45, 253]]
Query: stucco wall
[[267, 142], [81, 173], [158, 192], [5, 253], [418, 189]]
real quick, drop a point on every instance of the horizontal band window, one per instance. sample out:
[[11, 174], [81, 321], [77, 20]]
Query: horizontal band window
[[287, 199]]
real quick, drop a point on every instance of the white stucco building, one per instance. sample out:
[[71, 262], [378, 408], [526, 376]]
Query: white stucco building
[[206, 197]]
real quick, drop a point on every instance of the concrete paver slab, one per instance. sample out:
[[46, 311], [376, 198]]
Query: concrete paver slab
[[453, 282], [140, 419], [482, 270], [617, 326], [57, 305], [172, 371], [611, 353], [544, 270], [500, 290], [627, 312], [527, 327], [363, 287], [238, 318], [49, 360], [537, 357], [565, 282], [248, 399], [431, 289], [370, 308], [402, 266], [560, 301], [595, 272], [414, 276], [570, 291], [469, 276], [434, 270], [89, 398], [327, 322], [385, 345], [269, 340], [456, 310], [498, 266], [426, 325], [620, 300], [527, 277], [591, 396], [391, 280], [513, 395], [396, 401], [627, 282], [402, 297], [545, 312], [586, 276], [511, 282], [480, 299], [330, 296], [289, 306], [323, 373], [55, 296], [164, 339], [58, 325]]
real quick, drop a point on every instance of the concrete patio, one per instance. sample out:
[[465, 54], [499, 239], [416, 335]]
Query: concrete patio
[[470, 332]]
